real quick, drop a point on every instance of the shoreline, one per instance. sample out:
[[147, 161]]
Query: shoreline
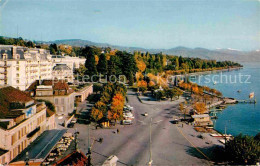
[[213, 71]]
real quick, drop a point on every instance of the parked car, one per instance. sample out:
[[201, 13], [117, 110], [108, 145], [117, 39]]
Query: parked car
[[176, 121], [126, 122], [70, 125], [73, 120]]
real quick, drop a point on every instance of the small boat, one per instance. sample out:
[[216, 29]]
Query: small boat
[[238, 91], [214, 83], [221, 135]]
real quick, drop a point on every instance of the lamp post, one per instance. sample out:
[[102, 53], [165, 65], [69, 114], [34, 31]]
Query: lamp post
[[27, 159], [89, 148], [150, 145]]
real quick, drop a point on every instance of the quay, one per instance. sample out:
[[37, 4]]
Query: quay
[[247, 101]]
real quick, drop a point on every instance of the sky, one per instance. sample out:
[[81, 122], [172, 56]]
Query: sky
[[138, 23]]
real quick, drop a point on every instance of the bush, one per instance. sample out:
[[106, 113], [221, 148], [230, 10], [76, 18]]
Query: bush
[[243, 150], [48, 104]]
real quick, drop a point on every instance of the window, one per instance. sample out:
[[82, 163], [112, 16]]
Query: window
[[17, 75], [56, 101], [17, 62], [17, 81], [17, 68], [62, 101]]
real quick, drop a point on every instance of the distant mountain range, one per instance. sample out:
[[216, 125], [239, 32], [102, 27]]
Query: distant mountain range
[[217, 54]]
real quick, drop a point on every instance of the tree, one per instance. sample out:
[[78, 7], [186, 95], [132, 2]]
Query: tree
[[81, 70], [178, 92], [102, 64], [96, 114], [142, 85], [53, 49], [243, 150], [49, 104], [160, 94], [90, 64], [181, 106], [116, 110], [200, 107]]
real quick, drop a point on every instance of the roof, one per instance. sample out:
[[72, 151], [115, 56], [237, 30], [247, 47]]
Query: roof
[[61, 67], [42, 146], [10, 95], [56, 84], [74, 158], [200, 116]]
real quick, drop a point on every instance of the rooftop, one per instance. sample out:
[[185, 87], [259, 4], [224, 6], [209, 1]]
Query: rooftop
[[10, 95], [61, 67], [42, 146], [57, 85], [74, 158]]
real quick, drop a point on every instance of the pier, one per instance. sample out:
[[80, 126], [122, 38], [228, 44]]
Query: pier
[[247, 101]]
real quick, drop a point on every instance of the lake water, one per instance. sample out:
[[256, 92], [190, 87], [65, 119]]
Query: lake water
[[238, 118]]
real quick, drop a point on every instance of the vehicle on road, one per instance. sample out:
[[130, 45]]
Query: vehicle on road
[[73, 120], [70, 125], [126, 122], [145, 114], [176, 121]]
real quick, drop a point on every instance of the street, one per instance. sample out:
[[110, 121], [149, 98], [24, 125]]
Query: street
[[131, 144]]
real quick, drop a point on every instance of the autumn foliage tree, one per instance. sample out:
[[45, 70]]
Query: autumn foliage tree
[[116, 110], [142, 85], [200, 107], [96, 114]]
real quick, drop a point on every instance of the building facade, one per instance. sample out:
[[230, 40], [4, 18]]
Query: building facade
[[82, 93], [20, 66], [71, 62], [57, 92], [22, 120], [63, 72]]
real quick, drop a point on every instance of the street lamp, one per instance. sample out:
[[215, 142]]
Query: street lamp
[[150, 146], [27, 159]]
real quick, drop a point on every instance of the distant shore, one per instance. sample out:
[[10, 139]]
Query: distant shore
[[213, 71]]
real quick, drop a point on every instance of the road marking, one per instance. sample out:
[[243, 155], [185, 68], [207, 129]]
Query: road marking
[[193, 144]]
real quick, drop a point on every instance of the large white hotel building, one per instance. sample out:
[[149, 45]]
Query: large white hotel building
[[21, 66]]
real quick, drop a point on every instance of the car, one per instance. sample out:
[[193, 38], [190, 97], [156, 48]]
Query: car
[[73, 120], [126, 122], [70, 125], [175, 121], [145, 114]]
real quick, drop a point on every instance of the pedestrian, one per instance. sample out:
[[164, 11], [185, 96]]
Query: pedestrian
[[182, 125], [117, 130]]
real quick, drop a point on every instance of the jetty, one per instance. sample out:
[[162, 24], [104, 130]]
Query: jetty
[[247, 101]]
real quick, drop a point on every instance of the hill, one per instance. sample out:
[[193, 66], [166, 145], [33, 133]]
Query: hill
[[217, 54]]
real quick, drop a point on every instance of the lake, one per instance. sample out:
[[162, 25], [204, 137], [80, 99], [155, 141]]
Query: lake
[[238, 118]]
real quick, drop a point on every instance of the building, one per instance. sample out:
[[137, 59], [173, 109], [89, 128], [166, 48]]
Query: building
[[71, 62], [82, 92], [57, 92], [202, 120], [22, 120], [63, 72], [39, 151], [76, 158], [21, 66]]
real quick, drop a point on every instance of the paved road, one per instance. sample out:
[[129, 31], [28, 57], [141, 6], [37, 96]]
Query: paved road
[[131, 145]]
